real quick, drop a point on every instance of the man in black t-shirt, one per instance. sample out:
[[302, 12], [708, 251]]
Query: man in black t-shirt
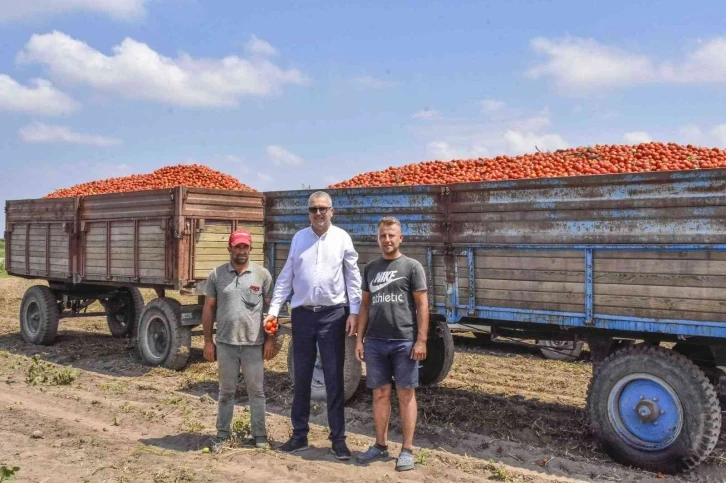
[[392, 331]]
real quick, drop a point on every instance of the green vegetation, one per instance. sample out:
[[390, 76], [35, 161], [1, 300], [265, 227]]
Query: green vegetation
[[42, 373], [116, 387], [7, 473], [241, 426]]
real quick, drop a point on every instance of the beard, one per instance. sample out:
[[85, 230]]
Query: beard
[[240, 259]]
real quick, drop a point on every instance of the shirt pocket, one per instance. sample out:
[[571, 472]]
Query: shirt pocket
[[252, 298]]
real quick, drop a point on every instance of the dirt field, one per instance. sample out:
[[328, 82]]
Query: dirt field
[[503, 414]]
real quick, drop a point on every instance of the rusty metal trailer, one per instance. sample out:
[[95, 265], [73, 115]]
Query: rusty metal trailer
[[609, 260], [105, 247]]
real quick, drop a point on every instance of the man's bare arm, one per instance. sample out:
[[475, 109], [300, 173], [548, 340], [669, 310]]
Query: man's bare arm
[[208, 312]]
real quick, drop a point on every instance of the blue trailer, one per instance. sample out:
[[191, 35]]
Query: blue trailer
[[629, 264]]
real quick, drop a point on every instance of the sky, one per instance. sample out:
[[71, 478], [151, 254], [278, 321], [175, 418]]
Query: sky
[[291, 94]]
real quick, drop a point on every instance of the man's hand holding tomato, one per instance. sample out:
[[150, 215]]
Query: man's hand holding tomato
[[271, 325]]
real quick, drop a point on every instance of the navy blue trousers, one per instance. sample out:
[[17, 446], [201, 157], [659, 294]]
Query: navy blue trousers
[[311, 330]]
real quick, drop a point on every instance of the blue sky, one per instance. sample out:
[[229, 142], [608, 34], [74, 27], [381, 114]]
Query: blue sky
[[288, 93]]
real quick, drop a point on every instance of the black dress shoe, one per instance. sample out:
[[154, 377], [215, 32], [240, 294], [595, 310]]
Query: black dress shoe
[[340, 450], [293, 446]]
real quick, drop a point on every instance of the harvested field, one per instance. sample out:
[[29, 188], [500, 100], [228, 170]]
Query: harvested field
[[503, 414]]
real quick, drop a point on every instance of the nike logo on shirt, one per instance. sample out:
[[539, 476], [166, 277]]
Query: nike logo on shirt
[[375, 288]]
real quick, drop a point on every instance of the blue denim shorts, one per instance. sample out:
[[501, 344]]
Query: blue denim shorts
[[388, 360]]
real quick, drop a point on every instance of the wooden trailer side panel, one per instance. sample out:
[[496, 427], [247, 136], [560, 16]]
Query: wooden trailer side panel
[[39, 237], [210, 217], [211, 241], [638, 252], [685, 285], [124, 238]]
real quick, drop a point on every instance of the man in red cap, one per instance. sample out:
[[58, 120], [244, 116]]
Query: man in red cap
[[236, 294]]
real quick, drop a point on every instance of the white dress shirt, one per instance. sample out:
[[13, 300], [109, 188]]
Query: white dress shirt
[[320, 270]]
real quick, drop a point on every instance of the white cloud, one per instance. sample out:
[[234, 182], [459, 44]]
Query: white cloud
[[577, 64], [584, 63], [510, 131], [534, 124], [521, 142], [40, 98], [369, 82], [444, 151], [691, 133], [39, 132], [264, 177], [136, 71], [281, 156], [491, 106], [426, 114], [719, 132], [636, 137], [120, 9], [501, 111], [257, 46], [707, 64]]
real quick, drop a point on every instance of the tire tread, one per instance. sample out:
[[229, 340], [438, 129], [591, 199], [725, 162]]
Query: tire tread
[[711, 413], [48, 329], [180, 336]]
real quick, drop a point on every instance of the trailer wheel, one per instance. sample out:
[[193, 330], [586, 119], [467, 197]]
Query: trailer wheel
[[39, 315], [352, 372], [560, 350], [162, 339], [123, 311], [652, 408], [439, 354]]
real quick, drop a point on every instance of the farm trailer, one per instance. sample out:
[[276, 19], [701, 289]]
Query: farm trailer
[[105, 247], [609, 260]]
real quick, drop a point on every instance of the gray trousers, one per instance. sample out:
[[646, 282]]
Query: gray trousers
[[229, 360]]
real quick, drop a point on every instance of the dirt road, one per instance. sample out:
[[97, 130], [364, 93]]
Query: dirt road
[[503, 414]]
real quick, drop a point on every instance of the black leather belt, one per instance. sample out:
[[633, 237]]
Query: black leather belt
[[321, 308]]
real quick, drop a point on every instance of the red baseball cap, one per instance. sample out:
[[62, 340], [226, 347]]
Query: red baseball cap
[[240, 236]]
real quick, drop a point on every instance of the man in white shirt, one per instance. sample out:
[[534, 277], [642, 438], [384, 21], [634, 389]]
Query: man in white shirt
[[322, 273]]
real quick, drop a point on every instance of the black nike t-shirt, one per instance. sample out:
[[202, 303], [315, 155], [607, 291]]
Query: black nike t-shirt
[[391, 283]]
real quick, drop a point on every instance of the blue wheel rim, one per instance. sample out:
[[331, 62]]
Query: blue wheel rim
[[645, 411]]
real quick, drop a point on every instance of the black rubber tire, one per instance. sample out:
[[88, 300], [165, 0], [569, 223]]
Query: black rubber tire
[[697, 396], [439, 354], [163, 317], [124, 322], [39, 315], [552, 351], [352, 372]]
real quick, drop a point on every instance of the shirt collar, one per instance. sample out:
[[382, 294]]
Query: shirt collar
[[231, 268], [324, 235]]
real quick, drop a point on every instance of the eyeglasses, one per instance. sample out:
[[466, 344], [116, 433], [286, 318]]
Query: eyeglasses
[[318, 209]]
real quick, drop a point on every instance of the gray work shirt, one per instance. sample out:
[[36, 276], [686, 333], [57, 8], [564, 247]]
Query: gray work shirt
[[240, 298]]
